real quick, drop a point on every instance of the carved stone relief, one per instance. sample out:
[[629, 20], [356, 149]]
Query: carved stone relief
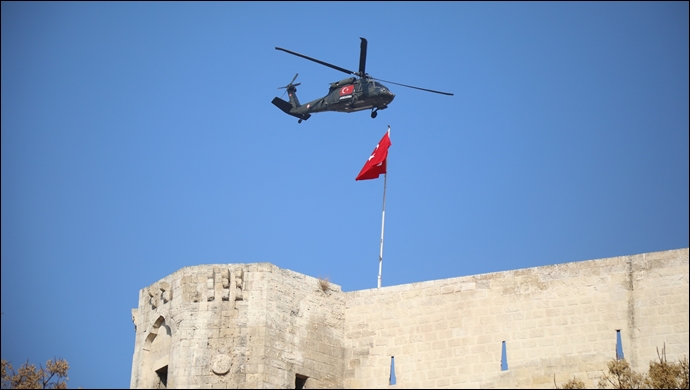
[[221, 364]]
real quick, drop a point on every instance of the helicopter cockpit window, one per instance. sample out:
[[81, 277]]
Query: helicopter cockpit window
[[380, 87]]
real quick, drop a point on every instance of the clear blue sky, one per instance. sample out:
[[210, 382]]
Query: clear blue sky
[[140, 138]]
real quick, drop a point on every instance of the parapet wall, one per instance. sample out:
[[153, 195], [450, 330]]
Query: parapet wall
[[259, 326]]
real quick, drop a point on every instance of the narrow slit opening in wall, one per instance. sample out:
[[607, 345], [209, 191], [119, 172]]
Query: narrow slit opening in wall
[[391, 379], [300, 381], [162, 377], [619, 346], [504, 358]]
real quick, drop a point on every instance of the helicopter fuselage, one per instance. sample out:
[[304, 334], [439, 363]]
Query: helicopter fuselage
[[347, 95]]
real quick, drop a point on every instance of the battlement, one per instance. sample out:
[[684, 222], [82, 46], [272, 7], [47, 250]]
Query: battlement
[[257, 325]]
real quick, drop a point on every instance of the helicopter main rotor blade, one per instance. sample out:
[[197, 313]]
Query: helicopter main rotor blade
[[362, 57], [317, 61], [421, 89]]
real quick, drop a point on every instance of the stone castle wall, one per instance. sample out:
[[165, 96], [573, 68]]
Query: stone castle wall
[[555, 320], [259, 326]]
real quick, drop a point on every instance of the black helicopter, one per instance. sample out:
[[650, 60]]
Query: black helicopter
[[358, 93]]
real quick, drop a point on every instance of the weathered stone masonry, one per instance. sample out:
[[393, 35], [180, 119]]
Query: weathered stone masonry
[[259, 326]]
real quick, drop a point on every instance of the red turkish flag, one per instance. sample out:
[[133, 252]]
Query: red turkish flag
[[347, 90], [376, 165]]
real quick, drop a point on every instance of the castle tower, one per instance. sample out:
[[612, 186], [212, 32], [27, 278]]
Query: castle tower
[[238, 326]]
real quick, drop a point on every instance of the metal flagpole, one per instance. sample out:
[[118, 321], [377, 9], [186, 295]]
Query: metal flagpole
[[383, 213]]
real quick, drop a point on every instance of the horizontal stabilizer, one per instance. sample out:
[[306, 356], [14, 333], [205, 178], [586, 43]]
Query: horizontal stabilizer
[[282, 104]]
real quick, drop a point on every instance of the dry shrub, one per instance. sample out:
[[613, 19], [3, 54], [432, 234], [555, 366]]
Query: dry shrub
[[574, 383], [661, 374], [619, 375], [53, 376], [324, 284], [665, 375]]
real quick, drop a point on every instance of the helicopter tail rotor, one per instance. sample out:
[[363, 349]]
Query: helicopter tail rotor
[[290, 85]]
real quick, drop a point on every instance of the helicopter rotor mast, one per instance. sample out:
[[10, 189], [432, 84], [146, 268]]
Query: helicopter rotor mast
[[362, 57]]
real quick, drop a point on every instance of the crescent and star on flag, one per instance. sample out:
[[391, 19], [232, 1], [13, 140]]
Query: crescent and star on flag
[[374, 153]]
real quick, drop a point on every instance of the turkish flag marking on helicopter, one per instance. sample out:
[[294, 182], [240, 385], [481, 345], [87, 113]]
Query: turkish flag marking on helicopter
[[347, 90]]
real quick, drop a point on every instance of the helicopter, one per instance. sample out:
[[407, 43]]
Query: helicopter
[[361, 92]]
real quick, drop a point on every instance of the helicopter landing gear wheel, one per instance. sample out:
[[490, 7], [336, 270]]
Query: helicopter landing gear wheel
[[374, 113], [299, 121]]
